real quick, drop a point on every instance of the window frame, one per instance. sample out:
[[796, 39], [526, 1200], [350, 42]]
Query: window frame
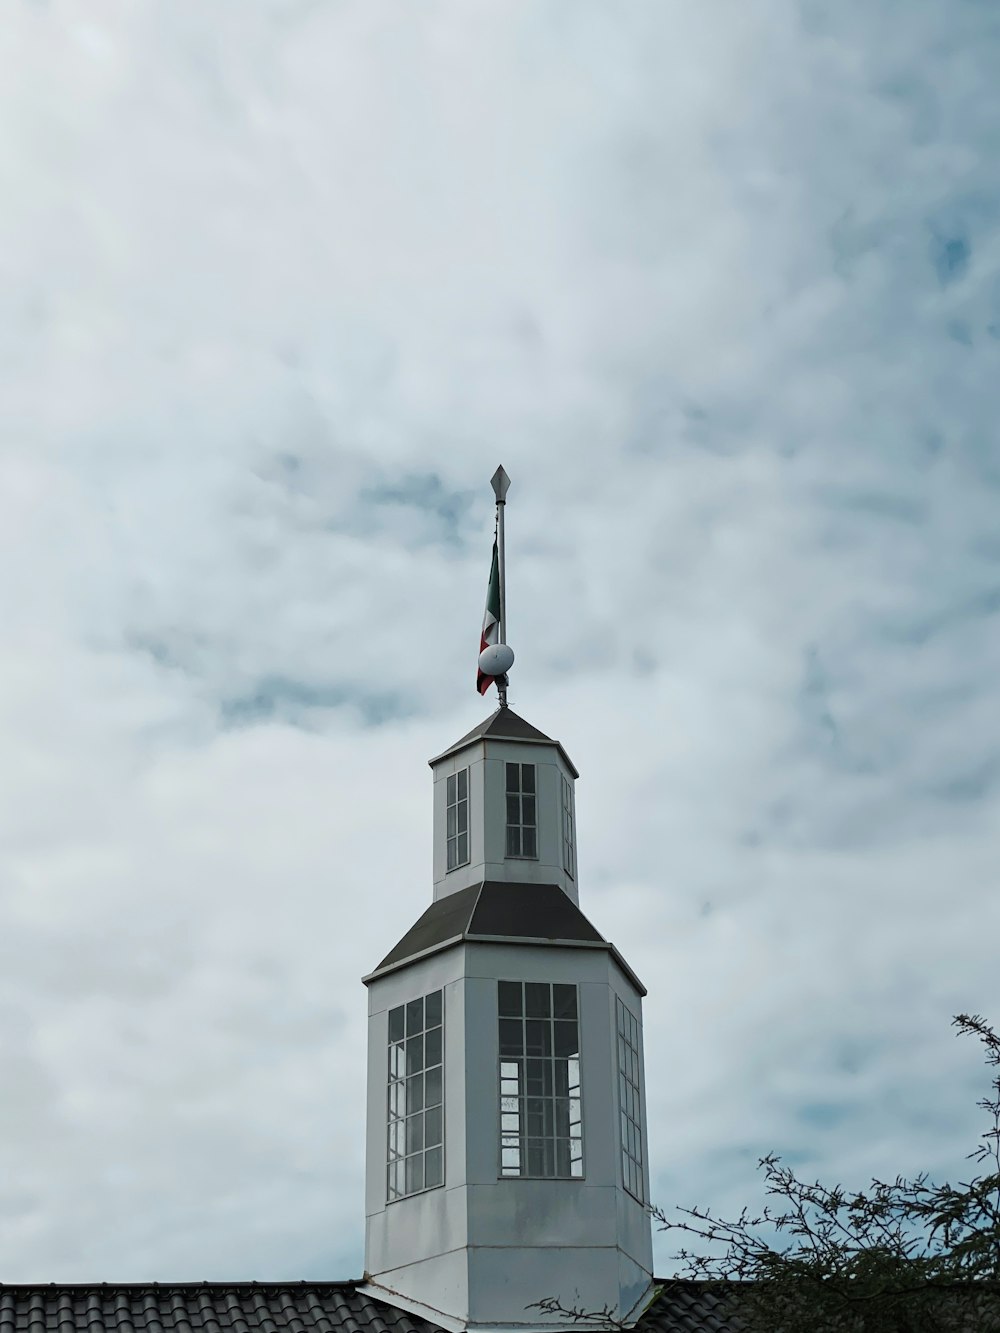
[[568, 828], [392, 1193], [520, 795], [455, 839], [628, 1042], [504, 1131]]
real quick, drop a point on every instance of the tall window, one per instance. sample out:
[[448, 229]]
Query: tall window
[[522, 829], [628, 1100], [569, 848], [416, 1110], [458, 819], [541, 1123]]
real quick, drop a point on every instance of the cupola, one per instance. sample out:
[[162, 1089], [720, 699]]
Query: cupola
[[504, 808], [507, 1162]]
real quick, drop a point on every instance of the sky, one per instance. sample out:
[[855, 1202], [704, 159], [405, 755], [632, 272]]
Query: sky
[[282, 282]]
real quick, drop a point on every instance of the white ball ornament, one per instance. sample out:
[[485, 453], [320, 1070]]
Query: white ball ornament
[[496, 660]]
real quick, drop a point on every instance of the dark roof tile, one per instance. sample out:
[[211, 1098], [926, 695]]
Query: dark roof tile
[[315, 1307]]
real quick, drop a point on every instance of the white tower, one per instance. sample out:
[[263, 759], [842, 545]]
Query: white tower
[[506, 1128]]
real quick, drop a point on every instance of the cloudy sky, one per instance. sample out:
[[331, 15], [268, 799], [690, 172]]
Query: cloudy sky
[[282, 281]]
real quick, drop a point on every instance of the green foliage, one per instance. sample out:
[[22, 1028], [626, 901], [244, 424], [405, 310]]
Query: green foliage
[[905, 1257]]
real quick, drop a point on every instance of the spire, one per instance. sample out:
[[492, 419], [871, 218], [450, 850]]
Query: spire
[[495, 655]]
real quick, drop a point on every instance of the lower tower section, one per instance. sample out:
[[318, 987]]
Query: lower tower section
[[506, 1138]]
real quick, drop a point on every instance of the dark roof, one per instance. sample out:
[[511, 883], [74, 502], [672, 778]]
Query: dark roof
[[506, 725], [685, 1306], [278, 1307], [190, 1307], [499, 910]]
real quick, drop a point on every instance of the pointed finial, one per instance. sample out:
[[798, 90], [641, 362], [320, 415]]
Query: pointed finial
[[501, 484]]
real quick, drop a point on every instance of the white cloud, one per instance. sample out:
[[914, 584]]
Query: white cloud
[[284, 282]]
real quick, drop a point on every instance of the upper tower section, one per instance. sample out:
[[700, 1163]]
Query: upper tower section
[[504, 809]]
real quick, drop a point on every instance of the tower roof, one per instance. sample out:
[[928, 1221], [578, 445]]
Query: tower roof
[[506, 725], [500, 912]]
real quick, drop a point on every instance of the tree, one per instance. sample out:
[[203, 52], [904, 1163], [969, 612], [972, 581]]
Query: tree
[[905, 1257]]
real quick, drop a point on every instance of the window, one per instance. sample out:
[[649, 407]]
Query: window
[[458, 819], [416, 1097], [628, 1100], [569, 851], [541, 1123], [522, 830]]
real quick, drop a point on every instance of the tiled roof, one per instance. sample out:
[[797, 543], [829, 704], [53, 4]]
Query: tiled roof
[[201, 1307], [689, 1307], [277, 1307]]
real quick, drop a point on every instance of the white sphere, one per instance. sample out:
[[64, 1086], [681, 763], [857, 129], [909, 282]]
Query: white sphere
[[496, 660]]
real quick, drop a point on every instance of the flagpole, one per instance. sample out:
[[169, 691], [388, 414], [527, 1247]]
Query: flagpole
[[501, 483]]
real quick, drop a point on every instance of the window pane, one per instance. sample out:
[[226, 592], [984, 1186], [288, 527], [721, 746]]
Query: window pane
[[452, 828], [396, 1063], [414, 1055], [538, 1078], [510, 997], [511, 1036], [397, 1099], [527, 810], [434, 1168], [452, 853], [537, 1037], [463, 784], [513, 809], [432, 1087], [528, 777], [414, 1093], [546, 1129], [541, 1159], [463, 849], [528, 842], [513, 842], [432, 1127], [513, 783], [414, 1133], [451, 790], [414, 1174], [463, 816], [432, 1047], [396, 1024], [397, 1180], [566, 1039]]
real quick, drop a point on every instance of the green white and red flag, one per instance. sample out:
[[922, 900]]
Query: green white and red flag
[[491, 621]]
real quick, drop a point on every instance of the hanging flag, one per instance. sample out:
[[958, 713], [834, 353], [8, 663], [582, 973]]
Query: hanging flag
[[491, 620]]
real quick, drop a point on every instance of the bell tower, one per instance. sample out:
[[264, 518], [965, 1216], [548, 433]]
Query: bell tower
[[506, 1143]]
